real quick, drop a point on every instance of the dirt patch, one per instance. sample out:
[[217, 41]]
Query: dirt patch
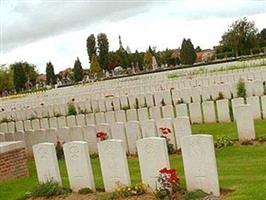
[[76, 196]]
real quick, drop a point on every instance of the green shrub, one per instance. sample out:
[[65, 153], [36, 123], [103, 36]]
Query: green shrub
[[127, 191], [241, 88], [94, 156], [195, 195], [72, 109], [225, 141], [49, 189], [262, 138], [85, 191]]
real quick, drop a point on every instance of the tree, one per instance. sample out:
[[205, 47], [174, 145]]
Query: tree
[[262, 38], [114, 60], [168, 58], [241, 36], [139, 59], [95, 67], [198, 49], [78, 71], [30, 71], [19, 76], [187, 53], [50, 75], [148, 60], [103, 46], [6, 77], [91, 46]]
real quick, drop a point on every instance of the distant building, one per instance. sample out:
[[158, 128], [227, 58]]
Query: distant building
[[41, 78], [205, 55]]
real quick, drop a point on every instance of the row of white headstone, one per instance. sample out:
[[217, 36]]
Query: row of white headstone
[[147, 82], [129, 132], [198, 156], [149, 99], [198, 113]]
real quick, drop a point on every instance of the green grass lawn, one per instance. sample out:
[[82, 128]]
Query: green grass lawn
[[240, 168]]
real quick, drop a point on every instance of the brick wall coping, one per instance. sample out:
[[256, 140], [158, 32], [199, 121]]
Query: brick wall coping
[[9, 146]]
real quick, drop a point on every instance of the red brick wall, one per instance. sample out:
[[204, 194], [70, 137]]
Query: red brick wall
[[13, 164]]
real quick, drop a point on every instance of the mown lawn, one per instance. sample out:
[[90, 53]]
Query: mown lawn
[[241, 168]]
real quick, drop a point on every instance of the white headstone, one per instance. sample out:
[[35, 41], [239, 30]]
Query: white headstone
[[61, 121], [200, 163], [53, 122], [148, 128], [89, 134], [182, 128], [254, 102], [78, 165], [155, 112], [110, 117], [119, 132], [133, 133], [46, 163], [81, 120], [168, 111], [153, 156], [208, 112], [236, 102], [195, 112], [71, 121], [132, 115], [223, 112], [120, 116], [99, 118], [245, 122], [114, 167], [143, 114]]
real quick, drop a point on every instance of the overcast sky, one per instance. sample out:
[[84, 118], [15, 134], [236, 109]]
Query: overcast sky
[[39, 31]]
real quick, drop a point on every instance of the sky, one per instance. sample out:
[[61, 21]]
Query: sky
[[39, 31]]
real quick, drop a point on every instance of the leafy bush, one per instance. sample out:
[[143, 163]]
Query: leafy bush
[[72, 109], [262, 138], [168, 184], [94, 156], [241, 88], [85, 191], [225, 141], [195, 195], [49, 189], [127, 191]]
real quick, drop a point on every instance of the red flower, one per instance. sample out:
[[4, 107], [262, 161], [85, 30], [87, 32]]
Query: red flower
[[170, 174], [101, 135], [165, 131]]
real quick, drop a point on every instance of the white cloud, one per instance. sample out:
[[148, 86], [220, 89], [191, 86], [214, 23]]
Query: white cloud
[[163, 25]]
